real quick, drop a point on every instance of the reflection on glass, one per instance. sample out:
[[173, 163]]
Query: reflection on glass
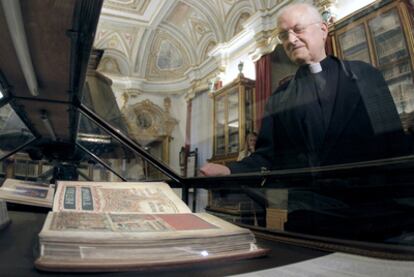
[[99, 97], [13, 132], [220, 125], [249, 109], [233, 121], [388, 37], [118, 157], [361, 204], [354, 44], [393, 61]]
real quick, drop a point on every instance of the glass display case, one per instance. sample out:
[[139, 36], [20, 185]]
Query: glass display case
[[362, 207], [233, 118], [382, 35]]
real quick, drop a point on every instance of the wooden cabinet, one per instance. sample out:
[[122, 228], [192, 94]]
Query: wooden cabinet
[[233, 118], [382, 34]]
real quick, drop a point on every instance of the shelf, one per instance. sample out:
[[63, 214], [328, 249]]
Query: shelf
[[356, 48], [385, 35], [353, 37], [394, 56], [398, 77]]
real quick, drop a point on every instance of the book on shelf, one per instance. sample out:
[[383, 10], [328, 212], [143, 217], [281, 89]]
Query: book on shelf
[[352, 38], [4, 216], [133, 226], [27, 192]]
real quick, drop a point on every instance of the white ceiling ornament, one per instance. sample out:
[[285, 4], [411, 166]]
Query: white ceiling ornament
[[121, 39], [138, 6], [239, 24], [109, 65], [210, 46], [114, 62]]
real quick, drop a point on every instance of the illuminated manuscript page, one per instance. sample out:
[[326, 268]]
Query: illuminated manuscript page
[[148, 197]]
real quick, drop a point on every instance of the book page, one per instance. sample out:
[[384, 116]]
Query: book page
[[26, 192], [131, 197], [148, 228]]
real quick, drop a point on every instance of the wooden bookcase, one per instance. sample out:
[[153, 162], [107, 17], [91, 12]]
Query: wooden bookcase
[[233, 117], [382, 35]]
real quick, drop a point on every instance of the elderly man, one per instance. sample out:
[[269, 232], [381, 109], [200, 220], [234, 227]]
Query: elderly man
[[331, 112]]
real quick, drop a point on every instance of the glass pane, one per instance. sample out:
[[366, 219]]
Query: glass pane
[[249, 116], [233, 123], [392, 55], [354, 44], [388, 37], [118, 157], [296, 139], [14, 132], [220, 125]]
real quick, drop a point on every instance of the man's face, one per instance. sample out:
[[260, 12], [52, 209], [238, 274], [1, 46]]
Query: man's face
[[304, 41]]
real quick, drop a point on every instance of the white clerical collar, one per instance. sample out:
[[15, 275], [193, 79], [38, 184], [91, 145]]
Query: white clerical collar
[[315, 68]]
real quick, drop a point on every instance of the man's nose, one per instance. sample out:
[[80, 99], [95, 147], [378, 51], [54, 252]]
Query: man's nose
[[292, 37]]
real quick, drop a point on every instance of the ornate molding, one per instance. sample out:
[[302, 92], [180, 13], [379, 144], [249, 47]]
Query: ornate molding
[[138, 6], [147, 122]]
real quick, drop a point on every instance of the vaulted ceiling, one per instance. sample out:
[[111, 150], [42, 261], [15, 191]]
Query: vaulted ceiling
[[166, 41]]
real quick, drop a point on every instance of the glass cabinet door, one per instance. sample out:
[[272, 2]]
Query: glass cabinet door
[[393, 58], [354, 44], [219, 144], [249, 117], [233, 120]]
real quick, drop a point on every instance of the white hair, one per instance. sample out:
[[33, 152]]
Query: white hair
[[310, 8]]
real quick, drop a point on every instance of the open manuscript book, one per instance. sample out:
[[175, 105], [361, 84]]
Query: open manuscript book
[[131, 226], [27, 193]]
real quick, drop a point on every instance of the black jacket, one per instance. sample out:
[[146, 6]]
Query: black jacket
[[364, 125]]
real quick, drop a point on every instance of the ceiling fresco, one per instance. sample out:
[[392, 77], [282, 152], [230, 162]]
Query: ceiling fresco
[[163, 40]]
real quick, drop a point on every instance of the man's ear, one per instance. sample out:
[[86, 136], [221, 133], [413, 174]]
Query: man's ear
[[324, 28]]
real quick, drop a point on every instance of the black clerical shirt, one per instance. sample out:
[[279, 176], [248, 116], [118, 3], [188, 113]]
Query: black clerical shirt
[[316, 97]]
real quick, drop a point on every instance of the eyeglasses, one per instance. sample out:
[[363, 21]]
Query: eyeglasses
[[297, 30]]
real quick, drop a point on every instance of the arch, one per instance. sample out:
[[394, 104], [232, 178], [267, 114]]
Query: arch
[[234, 15], [239, 23], [207, 10], [118, 60], [205, 46], [105, 43], [142, 57]]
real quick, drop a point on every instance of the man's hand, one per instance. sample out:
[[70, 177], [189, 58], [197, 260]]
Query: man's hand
[[211, 169]]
